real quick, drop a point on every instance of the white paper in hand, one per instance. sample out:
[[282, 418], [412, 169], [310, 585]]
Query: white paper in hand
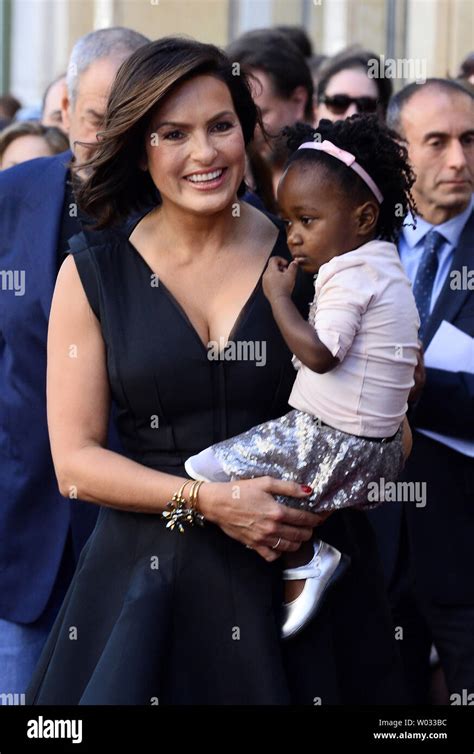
[[450, 349]]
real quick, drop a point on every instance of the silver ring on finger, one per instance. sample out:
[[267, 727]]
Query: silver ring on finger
[[276, 544]]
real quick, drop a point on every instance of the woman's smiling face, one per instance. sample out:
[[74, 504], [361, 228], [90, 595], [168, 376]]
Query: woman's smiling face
[[195, 147]]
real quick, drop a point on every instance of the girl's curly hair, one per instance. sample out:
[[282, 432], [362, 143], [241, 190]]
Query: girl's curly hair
[[377, 149]]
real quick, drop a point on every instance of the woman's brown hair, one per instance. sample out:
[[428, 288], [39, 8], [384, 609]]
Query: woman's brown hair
[[56, 140], [116, 186]]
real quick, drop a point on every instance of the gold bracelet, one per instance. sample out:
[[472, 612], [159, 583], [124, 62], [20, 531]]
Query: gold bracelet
[[179, 494], [177, 512], [193, 497]]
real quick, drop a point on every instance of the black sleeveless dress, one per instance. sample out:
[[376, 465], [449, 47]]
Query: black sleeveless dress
[[158, 617]]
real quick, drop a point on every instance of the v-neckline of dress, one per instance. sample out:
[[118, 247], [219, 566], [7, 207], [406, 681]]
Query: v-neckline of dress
[[240, 316]]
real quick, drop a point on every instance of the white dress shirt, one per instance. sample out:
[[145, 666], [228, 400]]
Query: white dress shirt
[[411, 246]]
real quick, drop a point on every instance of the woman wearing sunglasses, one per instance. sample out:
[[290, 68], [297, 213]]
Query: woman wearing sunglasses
[[346, 86]]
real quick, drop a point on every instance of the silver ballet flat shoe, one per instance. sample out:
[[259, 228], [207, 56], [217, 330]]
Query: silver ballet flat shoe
[[324, 569], [191, 471], [205, 467]]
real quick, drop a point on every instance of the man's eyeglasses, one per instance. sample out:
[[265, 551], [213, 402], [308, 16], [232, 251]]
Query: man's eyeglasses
[[339, 103]]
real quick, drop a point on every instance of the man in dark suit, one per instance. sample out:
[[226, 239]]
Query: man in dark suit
[[433, 534], [41, 533]]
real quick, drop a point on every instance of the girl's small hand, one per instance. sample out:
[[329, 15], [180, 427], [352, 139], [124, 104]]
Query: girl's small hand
[[279, 278]]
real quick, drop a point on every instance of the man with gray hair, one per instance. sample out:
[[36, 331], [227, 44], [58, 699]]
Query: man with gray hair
[[94, 61], [436, 121], [51, 114], [41, 534]]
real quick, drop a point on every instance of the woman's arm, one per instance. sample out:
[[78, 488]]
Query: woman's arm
[[78, 414], [299, 335], [78, 410]]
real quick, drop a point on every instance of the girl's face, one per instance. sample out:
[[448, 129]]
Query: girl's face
[[195, 147], [321, 221]]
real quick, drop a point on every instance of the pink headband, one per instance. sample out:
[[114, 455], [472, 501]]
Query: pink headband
[[348, 159]]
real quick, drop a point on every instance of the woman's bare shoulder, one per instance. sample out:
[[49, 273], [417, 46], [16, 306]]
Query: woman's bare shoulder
[[70, 297], [68, 275]]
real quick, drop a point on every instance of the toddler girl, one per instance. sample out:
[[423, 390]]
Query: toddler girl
[[342, 197]]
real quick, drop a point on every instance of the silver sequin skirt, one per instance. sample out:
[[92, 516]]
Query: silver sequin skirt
[[341, 468]]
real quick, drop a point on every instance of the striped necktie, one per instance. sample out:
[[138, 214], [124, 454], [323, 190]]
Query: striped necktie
[[425, 276]]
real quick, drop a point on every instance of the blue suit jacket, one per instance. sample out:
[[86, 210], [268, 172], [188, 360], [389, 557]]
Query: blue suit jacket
[[34, 518], [447, 407], [447, 403]]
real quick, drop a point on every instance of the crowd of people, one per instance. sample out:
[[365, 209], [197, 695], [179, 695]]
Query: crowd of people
[[181, 529]]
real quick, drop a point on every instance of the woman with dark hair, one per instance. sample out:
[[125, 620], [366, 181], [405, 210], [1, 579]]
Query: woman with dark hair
[[352, 82], [466, 69], [27, 140], [162, 609], [299, 37]]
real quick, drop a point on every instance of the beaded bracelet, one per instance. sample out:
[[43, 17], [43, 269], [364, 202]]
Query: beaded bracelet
[[177, 512]]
